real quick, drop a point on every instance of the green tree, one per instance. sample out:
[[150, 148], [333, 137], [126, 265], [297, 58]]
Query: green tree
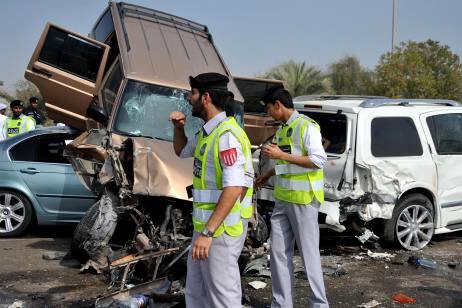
[[349, 78], [420, 70], [299, 78]]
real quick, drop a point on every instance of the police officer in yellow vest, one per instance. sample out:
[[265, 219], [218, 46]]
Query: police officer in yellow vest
[[18, 123], [222, 173], [298, 193]]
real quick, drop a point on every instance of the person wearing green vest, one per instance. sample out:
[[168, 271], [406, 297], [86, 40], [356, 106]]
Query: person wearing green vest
[[18, 123], [222, 174], [298, 193]]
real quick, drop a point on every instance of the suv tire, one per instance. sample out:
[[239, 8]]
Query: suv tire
[[411, 225]]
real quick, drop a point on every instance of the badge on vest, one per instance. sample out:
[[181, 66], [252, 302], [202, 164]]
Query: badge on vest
[[197, 168], [229, 156], [286, 149], [13, 130], [289, 132]]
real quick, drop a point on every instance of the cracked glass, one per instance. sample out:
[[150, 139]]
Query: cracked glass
[[145, 109]]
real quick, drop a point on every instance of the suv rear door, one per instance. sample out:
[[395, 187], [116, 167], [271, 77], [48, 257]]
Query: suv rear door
[[337, 133], [67, 68], [443, 130]]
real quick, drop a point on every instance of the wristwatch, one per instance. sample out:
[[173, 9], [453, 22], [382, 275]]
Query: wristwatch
[[206, 232]]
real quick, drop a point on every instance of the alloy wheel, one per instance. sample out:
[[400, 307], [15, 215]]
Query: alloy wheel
[[414, 227], [12, 212]]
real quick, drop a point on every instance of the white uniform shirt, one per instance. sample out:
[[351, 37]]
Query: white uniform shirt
[[232, 175], [2, 127], [313, 142]]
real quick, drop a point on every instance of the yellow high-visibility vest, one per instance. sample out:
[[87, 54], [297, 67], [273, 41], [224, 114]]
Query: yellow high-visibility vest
[[18, 126], [297, 184], [207, 180]]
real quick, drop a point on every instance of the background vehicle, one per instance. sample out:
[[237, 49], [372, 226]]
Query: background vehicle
[[392, 165], [37, 183]]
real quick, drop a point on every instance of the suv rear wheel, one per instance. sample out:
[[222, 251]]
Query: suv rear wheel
[[412, 223]]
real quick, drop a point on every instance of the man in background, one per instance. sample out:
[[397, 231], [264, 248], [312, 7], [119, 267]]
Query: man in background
[[18, 123], [2, 121], [33, 112]]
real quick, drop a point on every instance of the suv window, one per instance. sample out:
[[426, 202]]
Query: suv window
[[71, 54], [446, 131], [104, 27], [46, 149], [333, 130], [395, 136], [111, 87]]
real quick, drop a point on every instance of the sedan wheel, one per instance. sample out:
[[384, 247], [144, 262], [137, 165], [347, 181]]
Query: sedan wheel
[[15, 213], [414, 228]]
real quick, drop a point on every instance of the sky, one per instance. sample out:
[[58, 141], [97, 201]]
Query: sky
[[251, 35]]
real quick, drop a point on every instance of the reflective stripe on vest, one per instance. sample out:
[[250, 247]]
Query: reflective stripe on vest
[[296, 184], [291, 169], [203, 216], [207, 180]]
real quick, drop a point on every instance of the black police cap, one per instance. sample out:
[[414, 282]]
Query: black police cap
[[268, 96], [209, 81], [16, 103], [33, 99]]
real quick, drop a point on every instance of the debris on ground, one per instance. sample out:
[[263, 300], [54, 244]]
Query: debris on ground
[[17, 304], [403, 298], [453, 264], [359, 257], [348, 249], [380, 255], [54, 255], [258, 268], [429, 264], [367, 234], [257, 284], [334, 271], [371, 304]]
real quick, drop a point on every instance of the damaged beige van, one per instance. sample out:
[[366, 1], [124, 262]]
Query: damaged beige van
[[393, 167], [119, 85]]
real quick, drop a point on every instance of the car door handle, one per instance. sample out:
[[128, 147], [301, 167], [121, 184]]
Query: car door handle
[[42, 72], [29, 171]]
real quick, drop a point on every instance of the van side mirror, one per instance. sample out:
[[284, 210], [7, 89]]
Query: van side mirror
[[97, 113]]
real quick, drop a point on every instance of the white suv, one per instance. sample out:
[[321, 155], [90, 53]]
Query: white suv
[[398, 160]]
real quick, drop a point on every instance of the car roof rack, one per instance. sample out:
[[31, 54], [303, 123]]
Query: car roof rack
[[335, 97], [371, 103]]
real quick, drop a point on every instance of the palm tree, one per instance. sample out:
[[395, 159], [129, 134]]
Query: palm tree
[[299, 78]]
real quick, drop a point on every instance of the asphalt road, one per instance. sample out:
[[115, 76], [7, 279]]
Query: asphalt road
[[351, 276]]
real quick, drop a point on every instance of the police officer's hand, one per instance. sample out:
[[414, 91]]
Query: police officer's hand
[[200, 250], [178, 119], [272, 151], [261, 180]]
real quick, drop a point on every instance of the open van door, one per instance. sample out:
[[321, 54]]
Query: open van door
[[67, 68]]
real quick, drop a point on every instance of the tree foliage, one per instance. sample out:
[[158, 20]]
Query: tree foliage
[[420, 70], [299, 78], [348, 77]]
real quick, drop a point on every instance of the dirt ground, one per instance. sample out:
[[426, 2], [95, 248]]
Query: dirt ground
[[351, 276]]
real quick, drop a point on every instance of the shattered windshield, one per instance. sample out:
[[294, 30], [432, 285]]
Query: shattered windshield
[[145, 109]]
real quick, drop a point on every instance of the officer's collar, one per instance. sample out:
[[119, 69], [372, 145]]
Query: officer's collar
[[213, 123], [292, 118]]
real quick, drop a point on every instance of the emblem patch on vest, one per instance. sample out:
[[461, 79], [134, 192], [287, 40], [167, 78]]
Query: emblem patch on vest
[[229, 156], [197, 168], [289, 132]]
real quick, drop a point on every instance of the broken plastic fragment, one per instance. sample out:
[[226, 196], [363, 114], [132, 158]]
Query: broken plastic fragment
[[403, 298], [257, 284], [371, 304], [380, 255]]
